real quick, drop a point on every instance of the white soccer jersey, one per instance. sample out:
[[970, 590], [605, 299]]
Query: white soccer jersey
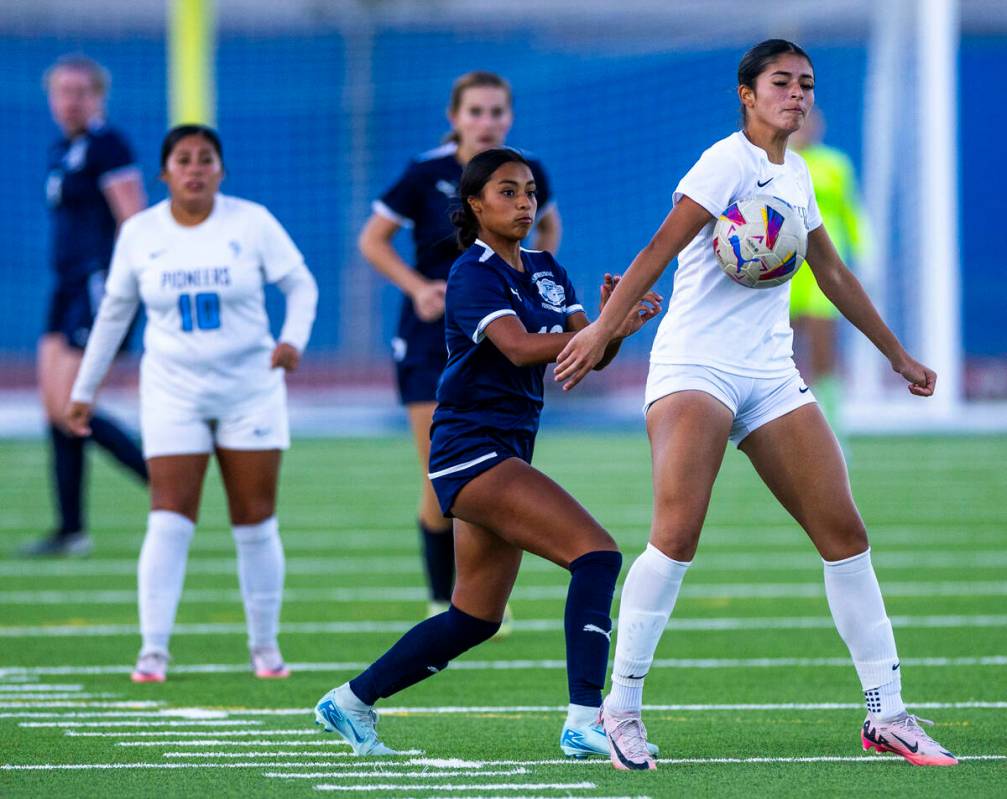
[[207, 343], [712, 320]]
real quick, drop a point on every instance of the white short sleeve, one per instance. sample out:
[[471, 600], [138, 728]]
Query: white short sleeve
[[713, 181], [122, 278], [279, 253]]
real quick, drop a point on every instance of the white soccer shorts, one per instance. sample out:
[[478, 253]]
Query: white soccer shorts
[[258, 423], [754, 401]]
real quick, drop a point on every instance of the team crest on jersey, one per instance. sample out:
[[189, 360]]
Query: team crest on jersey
[[447, 188], [553, 293], [74, 158]]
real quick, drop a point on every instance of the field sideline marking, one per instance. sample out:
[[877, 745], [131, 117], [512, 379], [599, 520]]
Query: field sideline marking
[[190, 734], [327, 742], [524, 625], [144, 723], [388, 594], [517, 664]]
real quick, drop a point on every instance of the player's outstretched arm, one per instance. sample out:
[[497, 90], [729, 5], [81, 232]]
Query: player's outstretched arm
[[843, 289], [587, 348], [643, 312], [522, 348]]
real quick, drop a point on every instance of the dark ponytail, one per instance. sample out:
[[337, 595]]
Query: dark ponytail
[[755, 61], [477, 172]]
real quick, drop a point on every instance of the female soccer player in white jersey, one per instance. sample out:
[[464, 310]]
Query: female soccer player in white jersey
[[721, 369], [509, 312], [211, 380], [480, 112]]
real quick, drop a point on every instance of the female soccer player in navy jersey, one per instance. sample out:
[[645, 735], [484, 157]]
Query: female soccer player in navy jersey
[[211, 382], [509, 311], [422, 198], [93, 186], [721, 369]]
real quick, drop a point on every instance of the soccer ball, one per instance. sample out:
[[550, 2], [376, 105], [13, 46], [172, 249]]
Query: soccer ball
[[760, 242]]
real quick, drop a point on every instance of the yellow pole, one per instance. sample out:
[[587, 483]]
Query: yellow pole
[[191, 40]]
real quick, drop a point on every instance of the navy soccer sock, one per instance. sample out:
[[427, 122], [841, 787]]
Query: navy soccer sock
[[68, 469], [439, 559], [588, 624], [111, 437], [422, 652]]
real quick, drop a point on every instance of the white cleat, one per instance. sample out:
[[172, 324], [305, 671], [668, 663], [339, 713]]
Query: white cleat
[[151, 666], [267, 663], [627, 738], [357, 727]]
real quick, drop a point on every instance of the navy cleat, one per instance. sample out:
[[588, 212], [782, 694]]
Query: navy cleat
[[334, 713]]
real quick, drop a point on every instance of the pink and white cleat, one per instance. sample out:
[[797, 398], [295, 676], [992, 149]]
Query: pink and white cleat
[[905, 737], [267, 663], [627, 738], [151, 666]]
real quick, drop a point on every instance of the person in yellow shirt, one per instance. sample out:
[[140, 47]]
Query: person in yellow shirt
[[812, 316]]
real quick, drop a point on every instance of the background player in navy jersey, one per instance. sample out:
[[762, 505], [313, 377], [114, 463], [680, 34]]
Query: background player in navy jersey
[[480, 114], [94, 185], [509, 312]]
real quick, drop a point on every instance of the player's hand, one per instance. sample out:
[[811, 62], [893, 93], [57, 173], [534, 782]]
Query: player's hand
[[285, 357], [580, 355], [922, 379], [77, 416], [429, 300], [645, 310]]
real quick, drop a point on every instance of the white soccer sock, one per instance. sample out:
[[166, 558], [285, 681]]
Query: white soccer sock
[[260, 574], [859, 613], [160, 575], [580, 715], [648, 598]]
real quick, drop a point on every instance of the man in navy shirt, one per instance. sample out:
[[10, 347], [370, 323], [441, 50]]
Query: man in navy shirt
[[93, 186], [509, 312], [423, 198]]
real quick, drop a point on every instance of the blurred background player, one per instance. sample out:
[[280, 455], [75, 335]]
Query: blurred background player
[[211, 380], [813, 318], [721, 370], [94, 185], [508, 313], [480, 113]]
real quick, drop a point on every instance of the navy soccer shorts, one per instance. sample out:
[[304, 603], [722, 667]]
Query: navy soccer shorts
[[460, 452]]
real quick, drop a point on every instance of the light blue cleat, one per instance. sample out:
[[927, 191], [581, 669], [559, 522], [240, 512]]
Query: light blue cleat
[[357, 727], [589, 741]]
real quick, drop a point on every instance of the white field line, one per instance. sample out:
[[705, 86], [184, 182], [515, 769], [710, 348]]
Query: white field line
[[143, 723], [512, 665], [736, 561], [48, 703], [45, 696], [481, 709], [388, 594], [500, 786], [522, 625], [37, 687], [326, 742], [119, 766], [385, 774], [200, 734]]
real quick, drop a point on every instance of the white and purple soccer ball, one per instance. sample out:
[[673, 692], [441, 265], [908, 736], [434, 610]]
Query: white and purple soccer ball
[[760, 242]]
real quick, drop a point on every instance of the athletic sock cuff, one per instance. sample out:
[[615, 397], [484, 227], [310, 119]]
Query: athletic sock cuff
[[850, 565], [260, 531], [603, 558]]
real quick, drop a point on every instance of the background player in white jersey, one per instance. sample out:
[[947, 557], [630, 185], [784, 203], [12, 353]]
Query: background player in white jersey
[[481, 114], [721, 369], [211, 380]]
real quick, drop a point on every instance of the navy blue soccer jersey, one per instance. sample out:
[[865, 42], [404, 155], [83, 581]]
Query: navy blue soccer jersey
[[423, 199], [479, 384], [83, 231]]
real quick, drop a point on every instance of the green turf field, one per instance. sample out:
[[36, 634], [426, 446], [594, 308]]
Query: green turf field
[[750, 668]]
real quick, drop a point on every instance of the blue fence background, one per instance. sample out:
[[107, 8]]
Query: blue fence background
[[614, 128]]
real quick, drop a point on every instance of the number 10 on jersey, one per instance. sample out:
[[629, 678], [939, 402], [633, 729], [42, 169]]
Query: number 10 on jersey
[[207, 311]]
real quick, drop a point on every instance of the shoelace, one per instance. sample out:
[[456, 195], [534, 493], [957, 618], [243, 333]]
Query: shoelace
[[911, 723], [633, 735]]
